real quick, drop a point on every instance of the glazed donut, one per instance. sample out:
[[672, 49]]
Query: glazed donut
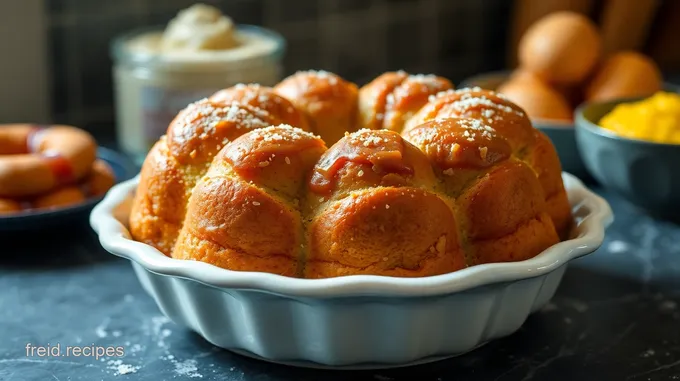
[[66, 196], [391, 99], [329, 102], [8, 206], [35, 159], [100, 179]]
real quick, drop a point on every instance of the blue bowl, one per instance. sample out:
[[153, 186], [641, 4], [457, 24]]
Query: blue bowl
[[560, 133], [643, 172], [39, 219]]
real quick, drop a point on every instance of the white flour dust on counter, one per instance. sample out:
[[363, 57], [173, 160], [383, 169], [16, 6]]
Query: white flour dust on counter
[[154, 333], [119, 368], [187, 368], [158, 331], [116, 366]]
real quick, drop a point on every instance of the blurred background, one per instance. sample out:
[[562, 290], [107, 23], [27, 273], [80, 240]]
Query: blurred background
[[60, 69]]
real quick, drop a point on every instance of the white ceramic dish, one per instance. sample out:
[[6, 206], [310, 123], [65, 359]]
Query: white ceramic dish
[[354, 321]]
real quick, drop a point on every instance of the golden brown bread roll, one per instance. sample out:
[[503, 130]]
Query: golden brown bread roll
[[276, 200], [468, 181], [490, 107], [179, 159], [511, 122], [328, 101], [543, 159], [374, 211], [391, 99], [264, 98], [244, 214], [498, 200]]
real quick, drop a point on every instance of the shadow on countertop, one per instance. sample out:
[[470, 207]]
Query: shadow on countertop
[[598, 324], [74, 244]]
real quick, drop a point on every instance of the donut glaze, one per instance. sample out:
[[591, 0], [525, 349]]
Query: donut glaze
[[8, 206], [62, 197], [36, 159]]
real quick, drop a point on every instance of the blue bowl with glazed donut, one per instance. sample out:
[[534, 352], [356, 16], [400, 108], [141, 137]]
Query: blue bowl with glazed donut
[[51, 175]]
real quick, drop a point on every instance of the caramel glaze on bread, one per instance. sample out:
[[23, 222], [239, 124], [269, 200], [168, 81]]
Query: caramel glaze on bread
[[371, 204], [245, 213], [511, 122], [237, 181], [499, 203], [183, 155], [391, 99], [373, 210]]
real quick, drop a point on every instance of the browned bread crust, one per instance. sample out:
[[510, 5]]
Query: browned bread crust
[[181, 157], [328, 101], [391, 99], [468, 181], [511, 122], [264, 98]]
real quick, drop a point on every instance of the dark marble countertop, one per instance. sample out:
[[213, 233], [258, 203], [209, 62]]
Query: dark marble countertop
[[616, 316]]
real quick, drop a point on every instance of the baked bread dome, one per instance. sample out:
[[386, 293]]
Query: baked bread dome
[[244, 214], [373, 209], [499, 204], [527, 143], [392, 98], [328, 101], [264, 98], [184, 154], [234, 184], [276, 200]]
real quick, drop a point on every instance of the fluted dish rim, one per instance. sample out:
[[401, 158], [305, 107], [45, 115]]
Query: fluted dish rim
[[593, 214]]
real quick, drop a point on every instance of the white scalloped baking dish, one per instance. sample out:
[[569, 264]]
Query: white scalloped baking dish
[[355, 321]]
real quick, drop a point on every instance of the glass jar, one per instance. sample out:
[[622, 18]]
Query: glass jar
[[152, 87]]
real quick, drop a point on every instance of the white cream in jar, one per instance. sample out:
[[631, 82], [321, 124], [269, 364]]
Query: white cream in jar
[[159, 71]]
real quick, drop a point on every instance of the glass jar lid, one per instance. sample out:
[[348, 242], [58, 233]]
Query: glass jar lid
[[140, 48]]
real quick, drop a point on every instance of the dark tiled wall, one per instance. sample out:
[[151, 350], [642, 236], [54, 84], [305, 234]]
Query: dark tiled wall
[[357, 39]]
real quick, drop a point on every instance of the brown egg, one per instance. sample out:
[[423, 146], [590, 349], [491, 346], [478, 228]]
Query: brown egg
[[570, 92], [562, 47], [623, 75], [523, 75], [538, 100]]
